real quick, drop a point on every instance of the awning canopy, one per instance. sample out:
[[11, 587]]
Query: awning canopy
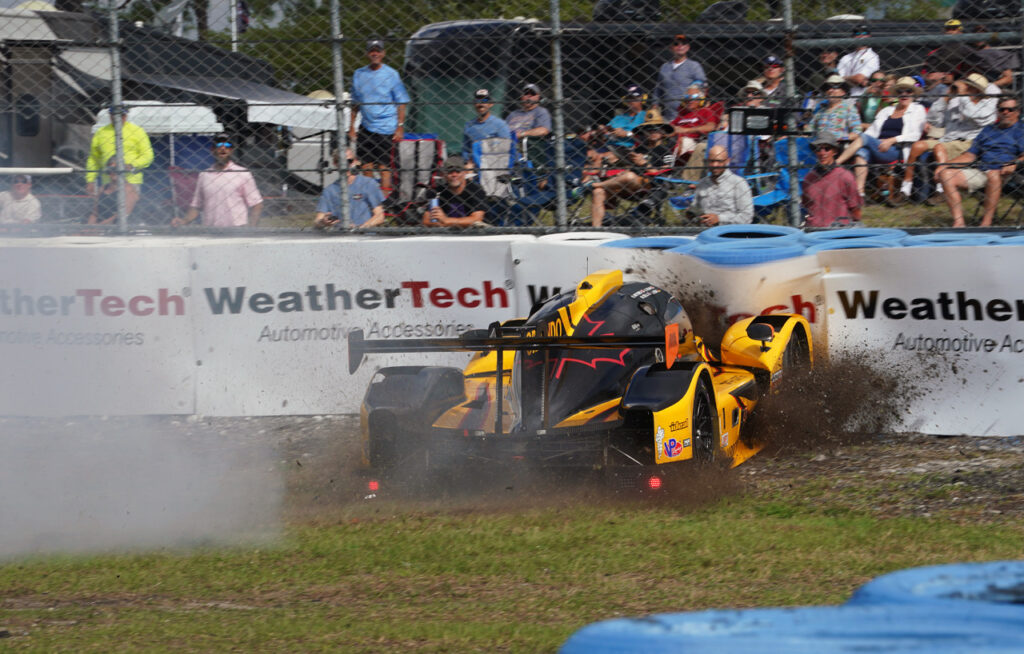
[[265, 104]]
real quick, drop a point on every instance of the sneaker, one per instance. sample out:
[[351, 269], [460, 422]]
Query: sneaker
[[935, 199]]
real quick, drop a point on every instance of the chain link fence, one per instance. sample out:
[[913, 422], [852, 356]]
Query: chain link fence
[[534, 115]]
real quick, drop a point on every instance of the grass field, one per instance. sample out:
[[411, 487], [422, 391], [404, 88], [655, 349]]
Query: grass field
[[514, 573]]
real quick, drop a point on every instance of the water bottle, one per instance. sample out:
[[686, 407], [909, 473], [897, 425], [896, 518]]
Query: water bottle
[[434, 203]]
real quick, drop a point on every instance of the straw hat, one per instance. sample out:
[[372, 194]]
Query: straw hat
[[978, 81], [655, 121], [907, 83]]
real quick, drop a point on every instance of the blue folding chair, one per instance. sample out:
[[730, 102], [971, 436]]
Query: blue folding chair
[[532, 181]]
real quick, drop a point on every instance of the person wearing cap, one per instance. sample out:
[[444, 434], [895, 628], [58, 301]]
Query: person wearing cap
[[618, 132], [226, 193], [838, 116], [857, 66], [962, 114], [379, 99], [461, 202], [676, 76], [723, 197], [653, 155], [995, 154], [894, 127], [771, 80], [365, 200], [18, 205], [485, 126], [999, 64], [693, 124], [874, 99], [138, 155], [829, 191], [828, 59], [530, 120]]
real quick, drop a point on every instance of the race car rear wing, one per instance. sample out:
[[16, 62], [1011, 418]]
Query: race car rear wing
[[499, 338]]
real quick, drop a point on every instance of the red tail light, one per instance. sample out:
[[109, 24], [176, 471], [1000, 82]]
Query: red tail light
[[654, 483], [373, 486]]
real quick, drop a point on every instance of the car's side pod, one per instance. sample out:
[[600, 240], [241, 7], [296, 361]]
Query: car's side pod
[[655, 388], [760, 342]]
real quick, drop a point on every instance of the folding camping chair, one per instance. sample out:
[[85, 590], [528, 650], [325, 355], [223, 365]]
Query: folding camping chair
[[494, 159], [533, 181], [417, 158]]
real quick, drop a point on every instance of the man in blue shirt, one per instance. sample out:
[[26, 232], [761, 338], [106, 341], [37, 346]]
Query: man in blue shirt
[[365, 200], [379, 97], [484, 126], [675, 76], [996, 152]]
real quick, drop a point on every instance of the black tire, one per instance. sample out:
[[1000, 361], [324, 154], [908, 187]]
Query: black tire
[[797, 353], [705, 440]]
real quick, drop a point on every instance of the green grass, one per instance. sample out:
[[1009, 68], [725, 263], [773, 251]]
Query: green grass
[[380, 577]]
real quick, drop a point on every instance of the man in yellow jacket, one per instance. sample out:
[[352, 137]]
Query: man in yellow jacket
[[138, 154]]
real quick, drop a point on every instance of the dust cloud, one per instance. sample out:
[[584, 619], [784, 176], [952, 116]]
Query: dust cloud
[[89, 485]]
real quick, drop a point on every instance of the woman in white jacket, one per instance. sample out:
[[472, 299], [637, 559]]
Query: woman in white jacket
[[901, 123]]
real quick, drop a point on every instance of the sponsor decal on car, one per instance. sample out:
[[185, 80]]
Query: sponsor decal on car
[[673, 448], [676, 425]]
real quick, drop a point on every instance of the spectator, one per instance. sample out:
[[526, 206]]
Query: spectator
[[18, 205], [723, 197], [104, 206], [953, 26], [676, 76], [484, 126], [615, 140], [461, 203], [651, 156], [999, 64], [531, 119], [379, 96], [996, 153], [934, 88], [365, 200], [771, 81], [829, 191], [858, 66], [901, 123], [874, 99], [695, 121], [829, 59], [961, 115], [226, 193], [751, 95], [138, 154], [838, 117]]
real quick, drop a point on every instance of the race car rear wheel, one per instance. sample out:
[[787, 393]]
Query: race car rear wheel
[[703, 420]]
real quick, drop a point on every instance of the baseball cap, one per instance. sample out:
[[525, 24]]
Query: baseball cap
[[22, 179], [772, 60], [825, 138], [374, 44], [952, 24], [634, 92], [482, 95], [861, 30], [753, 85], [680, 38], [454, 162], [532, 89], [222, 138]]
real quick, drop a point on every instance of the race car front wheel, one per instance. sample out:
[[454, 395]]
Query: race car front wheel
[[703, 421]]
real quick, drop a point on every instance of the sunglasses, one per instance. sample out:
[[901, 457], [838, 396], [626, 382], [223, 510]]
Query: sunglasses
[[822, 148], [1007, 110], [877, 80], [223, 144], [904, 92]]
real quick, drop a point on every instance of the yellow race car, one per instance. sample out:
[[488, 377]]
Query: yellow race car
[[608, 378]]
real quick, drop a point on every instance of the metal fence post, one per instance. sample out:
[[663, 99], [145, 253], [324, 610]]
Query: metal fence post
[[792, 165], [558, 119], [116, 115], [339, 109]]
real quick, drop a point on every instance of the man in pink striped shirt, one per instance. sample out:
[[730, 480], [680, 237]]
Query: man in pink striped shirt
[[226, 193]]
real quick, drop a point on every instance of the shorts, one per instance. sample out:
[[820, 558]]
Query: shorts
[[976, 179], [373, 148], [956, 148]]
